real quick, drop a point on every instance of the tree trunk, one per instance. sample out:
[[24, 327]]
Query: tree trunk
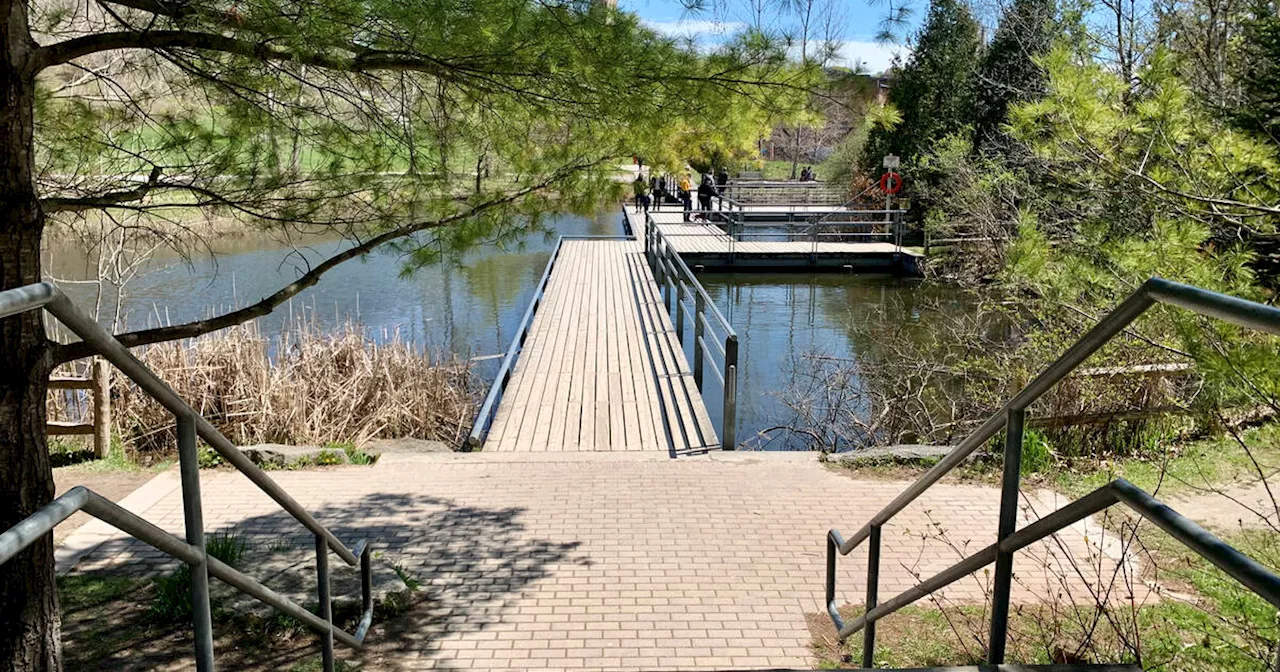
[[30, 637]]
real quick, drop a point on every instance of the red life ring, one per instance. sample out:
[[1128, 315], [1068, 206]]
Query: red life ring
[[890, 183]]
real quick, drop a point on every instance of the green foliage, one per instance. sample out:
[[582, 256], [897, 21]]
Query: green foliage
[[1009, 72], [933, 91], [1037, 454], [209, 458], [1259, 71], [86, 592], [388, 116], [171, 603]]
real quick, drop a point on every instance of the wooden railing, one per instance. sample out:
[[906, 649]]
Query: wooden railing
[[98, 382]]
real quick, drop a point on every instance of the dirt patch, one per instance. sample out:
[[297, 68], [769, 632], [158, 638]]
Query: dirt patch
[[112, 484]]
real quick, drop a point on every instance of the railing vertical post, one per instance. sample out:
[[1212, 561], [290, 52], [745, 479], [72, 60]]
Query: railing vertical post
[[193, 518], [873, 589], [1008, 522], [832, 550], [729, 425], [680, 291], [326, 604], [101, 376], [673, 280], [699, 311], [666, 278]]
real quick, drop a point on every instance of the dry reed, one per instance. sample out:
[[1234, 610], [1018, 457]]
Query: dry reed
[[304, 386]]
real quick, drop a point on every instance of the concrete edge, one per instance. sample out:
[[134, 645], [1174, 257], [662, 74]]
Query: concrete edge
[[93, 533]]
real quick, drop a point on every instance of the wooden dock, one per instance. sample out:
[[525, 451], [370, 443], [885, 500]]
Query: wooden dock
[[601, 369], [705, 244]]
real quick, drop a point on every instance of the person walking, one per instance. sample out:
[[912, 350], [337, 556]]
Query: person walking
[[658, 190], [684, 190], [641, 189]]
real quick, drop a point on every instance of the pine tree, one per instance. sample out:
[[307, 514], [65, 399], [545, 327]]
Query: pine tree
[[933, 92], [1010, 73], [1259, 72]]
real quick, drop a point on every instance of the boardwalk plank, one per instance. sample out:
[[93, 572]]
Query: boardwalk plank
[[601, 368]]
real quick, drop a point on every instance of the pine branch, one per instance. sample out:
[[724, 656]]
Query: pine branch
[[61, 204], [72, 351], [364, 60]]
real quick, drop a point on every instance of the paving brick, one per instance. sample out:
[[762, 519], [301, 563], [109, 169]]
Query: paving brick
[[601, 563]]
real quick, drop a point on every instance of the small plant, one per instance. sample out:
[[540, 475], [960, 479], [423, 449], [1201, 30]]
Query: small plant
[[210, 459], [279, 546], [328, 458], [357, 456], [410, 581], [1037, 454], [172, 601]]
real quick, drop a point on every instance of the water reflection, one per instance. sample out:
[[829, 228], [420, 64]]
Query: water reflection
[[469, 306], [781, 318]]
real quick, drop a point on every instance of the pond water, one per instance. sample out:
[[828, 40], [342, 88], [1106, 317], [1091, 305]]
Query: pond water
[[470, 307]]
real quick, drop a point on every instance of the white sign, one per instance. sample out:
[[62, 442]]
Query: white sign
[[891, 161]]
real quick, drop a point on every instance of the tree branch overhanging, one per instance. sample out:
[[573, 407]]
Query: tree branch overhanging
[[364, 60], [73, 351], [63, 204]]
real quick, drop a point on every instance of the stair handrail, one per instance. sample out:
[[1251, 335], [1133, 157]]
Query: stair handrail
[[190, 424], [1012, 418]]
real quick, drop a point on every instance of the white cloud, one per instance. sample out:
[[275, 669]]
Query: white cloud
[[874, 56], [695, 27]]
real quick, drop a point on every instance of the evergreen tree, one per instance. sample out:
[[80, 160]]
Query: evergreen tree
[[1259, 72], [1010, 73], [933, 92]]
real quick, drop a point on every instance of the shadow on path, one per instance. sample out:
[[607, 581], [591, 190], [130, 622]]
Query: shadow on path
[[463, 566]]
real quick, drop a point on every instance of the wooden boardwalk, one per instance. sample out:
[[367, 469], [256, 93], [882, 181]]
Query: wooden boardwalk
[[601, 369], [698, 238]]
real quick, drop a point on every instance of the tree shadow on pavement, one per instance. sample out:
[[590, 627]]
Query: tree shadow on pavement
[[452, 568]]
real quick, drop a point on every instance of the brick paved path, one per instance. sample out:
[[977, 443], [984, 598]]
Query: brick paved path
[[607, 561]]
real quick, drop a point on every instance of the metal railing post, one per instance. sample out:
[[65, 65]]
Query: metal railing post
[[673, 278], [326, 604], [680, 312], [1008, 522], [699, 311], [193, 518], [873, 588], [729, 425], [666, 278]]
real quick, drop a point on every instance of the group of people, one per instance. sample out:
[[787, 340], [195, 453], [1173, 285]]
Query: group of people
[[656, 190], [807, 175]]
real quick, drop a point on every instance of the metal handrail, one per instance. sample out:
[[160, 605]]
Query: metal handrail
[[190, 425], [484, 418], [83, 499], [1012, 419], [675, 278]]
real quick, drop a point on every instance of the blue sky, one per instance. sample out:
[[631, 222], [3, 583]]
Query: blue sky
[[859, 24]]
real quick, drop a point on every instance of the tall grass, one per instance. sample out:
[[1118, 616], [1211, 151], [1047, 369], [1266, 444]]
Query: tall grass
[[303, 386]]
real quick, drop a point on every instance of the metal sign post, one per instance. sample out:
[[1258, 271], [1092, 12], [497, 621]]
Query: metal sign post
[[891, 163]]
